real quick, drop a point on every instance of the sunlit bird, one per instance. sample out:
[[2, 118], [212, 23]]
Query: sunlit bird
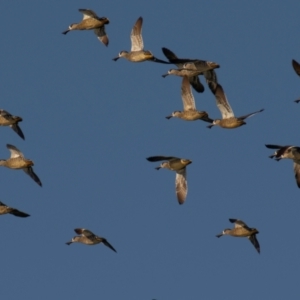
[[290, 152], [137, 53], [6, 119], [4, 209], [18, 161], [179, 166], [189, 113], [242, 230], [91, 21], [89, 238], [228, 120], [179, 62]]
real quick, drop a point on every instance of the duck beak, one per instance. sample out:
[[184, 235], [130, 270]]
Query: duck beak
[[116, 58]]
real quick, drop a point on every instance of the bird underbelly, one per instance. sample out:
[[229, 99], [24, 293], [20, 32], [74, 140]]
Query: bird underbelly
[[231, 125]]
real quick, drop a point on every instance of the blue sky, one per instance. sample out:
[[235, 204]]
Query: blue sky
[[89, 124]]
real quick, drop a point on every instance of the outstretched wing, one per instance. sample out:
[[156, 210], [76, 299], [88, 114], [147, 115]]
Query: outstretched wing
[[14, 151], [87, 233], [171, 56], [88, 13], [251, 114], [296, 67], [17, 129], [196, 84], [107, 244], [18, 213], [29, 171], [297, 173], [238, 223], [254, 242], [101, 34], [181, 185], [221, 100], [137, 43], [159, 158], [186, 95]]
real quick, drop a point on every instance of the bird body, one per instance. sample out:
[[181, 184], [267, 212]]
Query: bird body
[[190, 113], [137, 53], [242, 230], [4, 209], [228, 120], [6, 119], [18, 161], [179, 166], [289, 152], [91, 21], [88, 238]]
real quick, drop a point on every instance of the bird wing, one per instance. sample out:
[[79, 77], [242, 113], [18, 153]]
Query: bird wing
[[211, 75], [275, 146], [196, 84], [18, 213], [137, 43], [251, 114], [87, 233], [181, 185], [221, 100], [169, 54], [254, 241], [159, 158], [296, 66], [17, 129], [88, 13], [14, 151], [5, 114], [239, 223], [101, 34], [186, 95], [107, 244], [29, 171], [297, 173]]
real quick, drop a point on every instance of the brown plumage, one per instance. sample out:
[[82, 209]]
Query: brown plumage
[[290, 152], [179, 62], [179, 166], [189, 113], [6, 119], [89, 238], [228, 120], [4, 209], [18, 161], [242, 230], [137, 53], [91, 21]]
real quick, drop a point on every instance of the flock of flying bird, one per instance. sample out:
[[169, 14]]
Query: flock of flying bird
[[189, 70]]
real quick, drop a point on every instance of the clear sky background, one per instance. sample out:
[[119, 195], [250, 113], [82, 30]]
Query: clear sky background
[[89, 124]]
